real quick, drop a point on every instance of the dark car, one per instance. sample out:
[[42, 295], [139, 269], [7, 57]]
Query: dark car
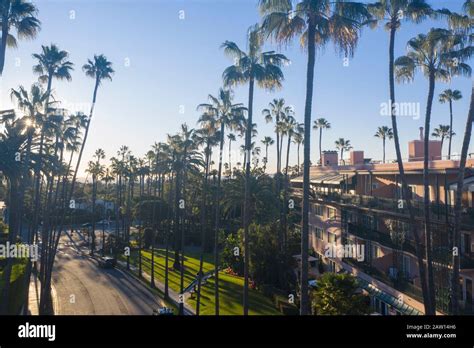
[[163, 311], [107, 262]]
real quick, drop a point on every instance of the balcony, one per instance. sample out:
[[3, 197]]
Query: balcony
[[384, 239], [400, 284], [438, 211]]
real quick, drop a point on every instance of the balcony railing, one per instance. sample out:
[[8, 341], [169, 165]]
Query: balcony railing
[[401, 284], [438, 211], [384, 239]]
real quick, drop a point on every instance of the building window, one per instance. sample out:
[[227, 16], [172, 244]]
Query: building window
[[375, 186], [332, 213], [376, 252], [319, 233], [331, 237], [317, 209]]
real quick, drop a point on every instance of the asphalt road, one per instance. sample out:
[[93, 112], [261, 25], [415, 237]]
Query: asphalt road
[[84, 288]]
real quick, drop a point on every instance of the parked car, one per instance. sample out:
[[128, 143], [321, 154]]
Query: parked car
[[163, 311], [107, 262]]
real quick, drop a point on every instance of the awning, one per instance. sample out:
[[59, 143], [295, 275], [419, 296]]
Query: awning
[[328, 178], [400, 306]]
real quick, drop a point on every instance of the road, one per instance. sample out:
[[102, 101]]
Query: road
[[84, 288]]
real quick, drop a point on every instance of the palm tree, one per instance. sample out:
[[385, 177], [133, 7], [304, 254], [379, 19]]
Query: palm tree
[[208, 136], [458, 206], [434, 54], [227, 115], [448, 96], [263, 68], [394, 12], [99, 69], [384, 133], [276, 111], [343, 145], [464, 26], [107, 177], [267, 141], [298, 139], [317, 22], [96, 170], [231, 138], [18, 15], [321, 123], [289, 125], [443, 132]]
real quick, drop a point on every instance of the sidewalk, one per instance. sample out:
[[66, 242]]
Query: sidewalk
[[34, 296]]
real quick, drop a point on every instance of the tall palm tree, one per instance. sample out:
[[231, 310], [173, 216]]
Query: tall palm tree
[[231, 138], [276, 112], [465, 26], [343, 145], [394, 13], [443, 132], [96, 170], [316, 22], [107, 178], [263, 68], [208, 136], [384, 133], [298, 139], [289, 126], [448, 96], [18, 15], [228, 115], [321, 123], [99, 69], [458, 206], [434, 54], [267, 141]]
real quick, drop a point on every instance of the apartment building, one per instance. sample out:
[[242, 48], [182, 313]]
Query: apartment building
[[359, 223]]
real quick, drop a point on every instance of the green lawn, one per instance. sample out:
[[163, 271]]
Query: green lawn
[[17, 286], [230, 287]]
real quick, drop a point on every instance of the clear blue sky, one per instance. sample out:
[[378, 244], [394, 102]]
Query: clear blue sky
[[176, 62]]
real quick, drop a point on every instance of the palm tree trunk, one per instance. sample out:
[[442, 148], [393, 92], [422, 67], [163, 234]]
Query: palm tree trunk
[[230, 164], [248, 141], [450, 127], [216, 223], [304, 297], [426, 195], [405, 190], [94, 194], [442, 141], [86, 133], [203, 228], [167, 246], [320, 146], [285, 195], [277, 121], [5, 25], [383, 149], [458, 208], [298, 151]]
